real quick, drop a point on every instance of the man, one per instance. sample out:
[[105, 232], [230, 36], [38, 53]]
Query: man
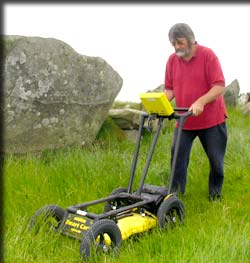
[[195, 79]]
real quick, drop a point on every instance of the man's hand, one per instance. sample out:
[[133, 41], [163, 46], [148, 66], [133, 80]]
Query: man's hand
[[196, 108]]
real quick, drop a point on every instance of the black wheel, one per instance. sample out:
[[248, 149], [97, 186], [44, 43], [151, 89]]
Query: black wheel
[[50, 215], [171, 212], [115, 204], [103, 237]]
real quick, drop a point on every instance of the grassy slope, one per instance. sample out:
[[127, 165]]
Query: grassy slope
[[213, 232]]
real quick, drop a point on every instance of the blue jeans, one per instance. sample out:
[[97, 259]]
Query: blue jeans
[[214, 141]]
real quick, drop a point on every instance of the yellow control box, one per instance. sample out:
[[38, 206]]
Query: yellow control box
[[156, 103]]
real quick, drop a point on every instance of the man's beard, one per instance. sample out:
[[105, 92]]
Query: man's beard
[[183, 53]]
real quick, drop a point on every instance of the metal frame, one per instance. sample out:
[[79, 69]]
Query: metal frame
[[138, 199]]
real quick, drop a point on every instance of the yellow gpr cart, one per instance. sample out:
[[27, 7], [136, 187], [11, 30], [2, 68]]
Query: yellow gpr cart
[[127, 210]]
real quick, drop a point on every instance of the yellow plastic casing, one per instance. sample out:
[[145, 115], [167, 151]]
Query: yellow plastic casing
[[133, 224], [156, 103]]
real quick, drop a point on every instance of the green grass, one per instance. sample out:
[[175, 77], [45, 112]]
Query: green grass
[[212, 232]]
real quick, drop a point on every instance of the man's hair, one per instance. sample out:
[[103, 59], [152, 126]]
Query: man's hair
[[181, 30]]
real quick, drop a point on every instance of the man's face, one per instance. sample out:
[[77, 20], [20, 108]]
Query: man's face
[[182, 47]]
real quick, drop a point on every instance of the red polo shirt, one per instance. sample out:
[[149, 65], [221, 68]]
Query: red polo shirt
[[192, 79]]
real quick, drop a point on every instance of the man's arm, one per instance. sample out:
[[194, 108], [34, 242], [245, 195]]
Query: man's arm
[[169, 94], [198, 106]]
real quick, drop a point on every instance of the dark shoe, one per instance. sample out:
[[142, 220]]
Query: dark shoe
[[215, 197], [177, 190]]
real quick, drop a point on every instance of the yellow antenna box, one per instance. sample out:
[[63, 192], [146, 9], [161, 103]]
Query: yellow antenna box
[[156, 103]]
